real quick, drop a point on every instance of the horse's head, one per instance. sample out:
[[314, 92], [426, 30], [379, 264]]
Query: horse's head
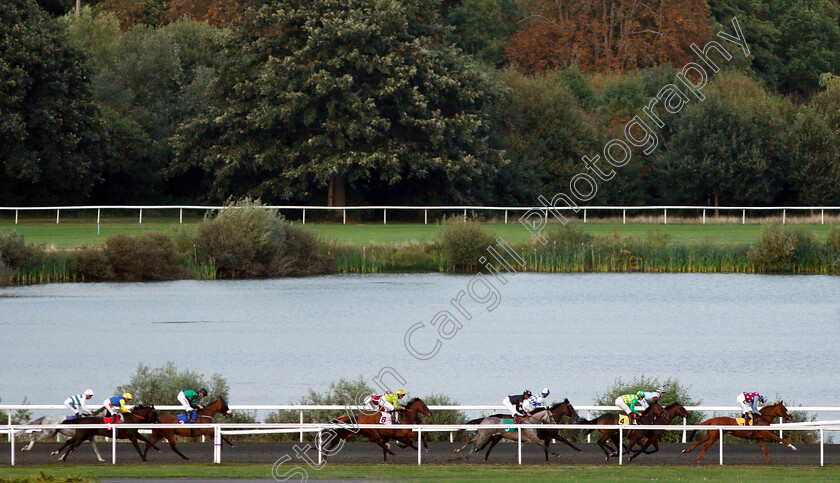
[[677, 409], [418, 405], [223, 407], [147, 414], [564, 408]]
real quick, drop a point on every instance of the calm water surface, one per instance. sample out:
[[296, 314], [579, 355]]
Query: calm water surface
[[272, 340]]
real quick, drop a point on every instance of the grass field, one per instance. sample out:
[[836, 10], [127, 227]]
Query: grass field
[[449, 473], [75, 232]]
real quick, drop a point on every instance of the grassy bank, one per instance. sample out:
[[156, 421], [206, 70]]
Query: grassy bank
[[75, 232], [252, 242], [449, 473]]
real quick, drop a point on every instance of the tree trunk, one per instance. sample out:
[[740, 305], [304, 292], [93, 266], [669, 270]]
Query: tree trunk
[[716, 205], [336, 197], [78, 8]]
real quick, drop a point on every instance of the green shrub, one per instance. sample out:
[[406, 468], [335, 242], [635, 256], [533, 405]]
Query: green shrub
[[17, 254], [566, 236], [161, 385], [775, 250], [148, 256], [302, 253], [833, 240], [90, 263], [6, 274], [675, 392], [462, 244]]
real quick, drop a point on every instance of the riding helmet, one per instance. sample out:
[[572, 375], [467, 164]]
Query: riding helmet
[[545, 392], [128, 396], [204, 391], [526, 393], [89, 392]]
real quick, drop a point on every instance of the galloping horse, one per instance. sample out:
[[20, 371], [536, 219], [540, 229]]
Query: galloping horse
[[379, 436], [647, 417], [139, 415], [36, 435], [557, 411], [485, 436], [765, 417], [203, 416], [654, 435]]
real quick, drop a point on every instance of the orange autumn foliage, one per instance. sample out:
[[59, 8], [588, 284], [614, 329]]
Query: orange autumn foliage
[[218, 13], [607, 35]]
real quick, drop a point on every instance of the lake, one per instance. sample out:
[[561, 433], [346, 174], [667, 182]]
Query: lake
[[575, 333]]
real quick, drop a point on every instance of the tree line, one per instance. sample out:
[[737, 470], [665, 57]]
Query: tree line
[[408, 101]]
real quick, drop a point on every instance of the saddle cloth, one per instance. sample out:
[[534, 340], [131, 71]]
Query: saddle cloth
[[182, 419], [385, 419], [623, 419], [743, 422], [115, 419], [509, 421]]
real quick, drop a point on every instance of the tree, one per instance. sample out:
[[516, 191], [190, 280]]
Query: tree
[[161, 385], [482, 27], [816, 160], [53, 137], [318, 94], [731, 149], [607, 35]]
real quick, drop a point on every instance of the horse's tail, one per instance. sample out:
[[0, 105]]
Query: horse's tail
[[472, 421], [586, 421]]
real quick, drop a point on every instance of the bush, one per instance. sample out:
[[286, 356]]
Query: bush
[[246, 240], [833, 240], [462, 244], [161, 385], [566, 236], [775, 250], [148, 256], [16, 254], [675, 392], [6, 274], [90, 263]]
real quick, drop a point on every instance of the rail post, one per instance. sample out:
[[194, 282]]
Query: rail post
[[704, 216], [624, 216], [784, 216], [301, 429], [217, 444], [505, 217], [584, 216], [822, 449], [419, 446], [12, 441], [16, 217], [318, 444], [465, 214], [666, 216], [685, 423], [721, 446], [822, 217], [113, 444], [781, 431], [57, 215], [620, 446], [425, 216], [344, 215], [588, 417], [304, 216], [180, 216], [98, 214], [743, 222], [384, 216], [519, 442]]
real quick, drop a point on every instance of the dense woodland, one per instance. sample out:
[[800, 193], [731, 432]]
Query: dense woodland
[[409, 101]]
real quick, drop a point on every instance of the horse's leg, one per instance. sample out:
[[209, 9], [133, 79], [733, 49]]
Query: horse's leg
[[567, 443], [225, 440], [143, 439], [713, 436], [96, 450], [494, 441], [764, 434], [602, 442], [61, 448], [698, 443], [132, 436], [764, 449], [154, 439], [76, 441]]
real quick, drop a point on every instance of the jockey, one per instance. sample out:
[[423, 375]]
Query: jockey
[[514, 403], [751, 398], [189, 400], [77, 403], [536, 401], [115, 403], [390, 402], [652, 397], [627, 403]]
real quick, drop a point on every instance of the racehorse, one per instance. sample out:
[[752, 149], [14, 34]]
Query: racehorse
[[765, 417], [484, 436], [558, 410], [139, 415], [647, 417], [654, 435], [36, 435], [203, 416], [408, 416]]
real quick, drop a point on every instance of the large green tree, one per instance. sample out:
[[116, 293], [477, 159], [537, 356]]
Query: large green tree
[[316, 94], [52, 135], [731, 149]]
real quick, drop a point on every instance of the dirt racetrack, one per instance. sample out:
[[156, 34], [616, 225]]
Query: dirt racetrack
[[440, 453]]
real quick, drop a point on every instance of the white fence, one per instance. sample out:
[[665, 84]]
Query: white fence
[[267, 428], [781, 210]]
